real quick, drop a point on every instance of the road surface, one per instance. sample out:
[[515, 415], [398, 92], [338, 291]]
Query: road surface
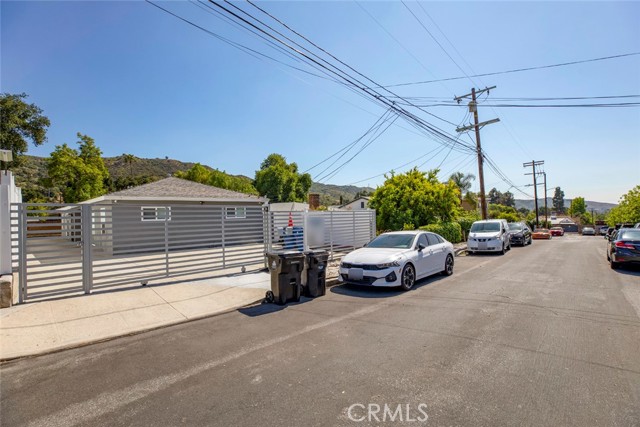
[[544, 335]]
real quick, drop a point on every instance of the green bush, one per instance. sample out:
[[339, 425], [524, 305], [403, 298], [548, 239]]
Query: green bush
[[449, 230], [467, 219]]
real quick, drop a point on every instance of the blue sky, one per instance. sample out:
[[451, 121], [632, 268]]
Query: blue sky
[[140, 81]]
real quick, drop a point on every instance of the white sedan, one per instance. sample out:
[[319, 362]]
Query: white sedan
[[398, 258]]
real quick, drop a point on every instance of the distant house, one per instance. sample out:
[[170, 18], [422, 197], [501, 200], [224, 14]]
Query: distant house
[[360, 203], [171, 212], [566, 223]]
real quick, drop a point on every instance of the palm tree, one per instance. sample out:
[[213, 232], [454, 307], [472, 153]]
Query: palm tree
[[130, 159], [462, 181]]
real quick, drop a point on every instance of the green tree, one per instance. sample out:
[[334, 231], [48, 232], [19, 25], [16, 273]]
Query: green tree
[[20, 123], [216, 178], [414, 199], [494, 197], [462, 181], [504, 212], [280, 181], [558, 201], [578, 207], [81, 174], [628, 210], [129, 159], [508, 199]]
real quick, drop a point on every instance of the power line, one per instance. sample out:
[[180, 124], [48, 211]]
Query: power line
[[517, 70]]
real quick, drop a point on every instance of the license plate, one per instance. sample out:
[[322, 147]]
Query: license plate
[[482, 245], [356, 274]]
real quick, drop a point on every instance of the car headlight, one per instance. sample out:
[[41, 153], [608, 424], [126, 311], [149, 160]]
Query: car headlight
[[388, 265]]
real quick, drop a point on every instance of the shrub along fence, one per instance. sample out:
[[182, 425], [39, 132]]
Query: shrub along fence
[[449, 230]]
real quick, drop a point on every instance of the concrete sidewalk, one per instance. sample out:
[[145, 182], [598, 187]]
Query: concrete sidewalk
[[45, 326]]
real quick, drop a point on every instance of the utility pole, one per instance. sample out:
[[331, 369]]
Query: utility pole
[[546, 211], [533, 164], [473, 107]]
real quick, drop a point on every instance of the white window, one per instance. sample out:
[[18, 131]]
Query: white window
[[155, 213], [234, 213]]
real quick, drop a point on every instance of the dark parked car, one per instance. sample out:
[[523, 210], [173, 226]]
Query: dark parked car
[[520, 233], [624, 247]]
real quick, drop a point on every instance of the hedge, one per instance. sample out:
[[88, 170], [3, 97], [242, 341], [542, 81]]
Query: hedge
[[449, 230]]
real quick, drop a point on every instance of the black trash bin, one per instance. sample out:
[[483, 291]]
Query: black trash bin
[[286, 276], [316, 262]]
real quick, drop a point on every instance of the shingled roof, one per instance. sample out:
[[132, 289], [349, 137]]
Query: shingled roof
[[180, 189]]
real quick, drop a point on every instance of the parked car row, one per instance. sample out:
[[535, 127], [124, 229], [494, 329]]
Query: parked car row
[[624, 247]]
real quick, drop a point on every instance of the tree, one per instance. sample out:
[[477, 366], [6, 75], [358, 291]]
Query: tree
[[504, 212], [558, 200], [628, 210], [414, 199], [508, 199], [462, 181], [216, 178], [81, 174], [280, 181], [129, 159], [494, 196], [20, 123], [578, 207]]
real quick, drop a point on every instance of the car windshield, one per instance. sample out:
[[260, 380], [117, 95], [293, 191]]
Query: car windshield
[[629, 234], [479, 227], [514, 226], [400, 241]]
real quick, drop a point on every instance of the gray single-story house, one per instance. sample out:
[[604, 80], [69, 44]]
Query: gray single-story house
[[173, 214]]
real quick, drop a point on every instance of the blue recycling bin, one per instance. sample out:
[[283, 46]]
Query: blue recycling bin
[[293, 238]]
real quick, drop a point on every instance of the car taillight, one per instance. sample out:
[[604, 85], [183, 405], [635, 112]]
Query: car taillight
[[624, 245]]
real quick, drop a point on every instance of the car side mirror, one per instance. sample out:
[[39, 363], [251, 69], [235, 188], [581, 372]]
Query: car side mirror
[[421, 247]]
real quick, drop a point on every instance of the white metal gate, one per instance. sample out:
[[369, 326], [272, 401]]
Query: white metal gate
[[65, 249]]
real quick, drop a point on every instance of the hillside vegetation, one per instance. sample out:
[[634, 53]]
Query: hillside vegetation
[[32, 177]]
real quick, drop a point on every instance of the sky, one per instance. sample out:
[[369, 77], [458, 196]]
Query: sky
[[141, 81]]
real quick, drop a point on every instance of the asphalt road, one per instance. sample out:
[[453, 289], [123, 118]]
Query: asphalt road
[[546, 335]]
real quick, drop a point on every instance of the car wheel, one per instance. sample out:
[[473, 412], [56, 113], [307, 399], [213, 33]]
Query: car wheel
[[408, 278], [502, 252], [448, 266], [614, 265]]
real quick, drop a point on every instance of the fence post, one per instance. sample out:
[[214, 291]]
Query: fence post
[[9, 194], [86, 225], [224, 214], [373, 225], [305, 230], [331, 232], [166, 240], [266, 220], [353, 242], [22, 253]]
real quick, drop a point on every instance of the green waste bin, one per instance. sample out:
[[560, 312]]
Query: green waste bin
[[286, 276], [316, 263]]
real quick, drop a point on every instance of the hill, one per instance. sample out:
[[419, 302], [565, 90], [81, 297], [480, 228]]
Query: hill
[[332, 194], [598, 207], [31, 176]]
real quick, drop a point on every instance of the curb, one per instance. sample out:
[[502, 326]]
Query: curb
[[128, 334]]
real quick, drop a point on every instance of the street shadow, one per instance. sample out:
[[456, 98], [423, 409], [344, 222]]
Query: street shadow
[[269, 307], [629, 270], [364, 291]]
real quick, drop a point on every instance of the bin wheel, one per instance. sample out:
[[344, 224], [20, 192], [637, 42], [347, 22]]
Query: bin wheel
[[269, 297]]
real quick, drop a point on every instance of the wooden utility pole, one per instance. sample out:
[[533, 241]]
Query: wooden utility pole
[[533, 164], [473, 107], [546, 211]]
